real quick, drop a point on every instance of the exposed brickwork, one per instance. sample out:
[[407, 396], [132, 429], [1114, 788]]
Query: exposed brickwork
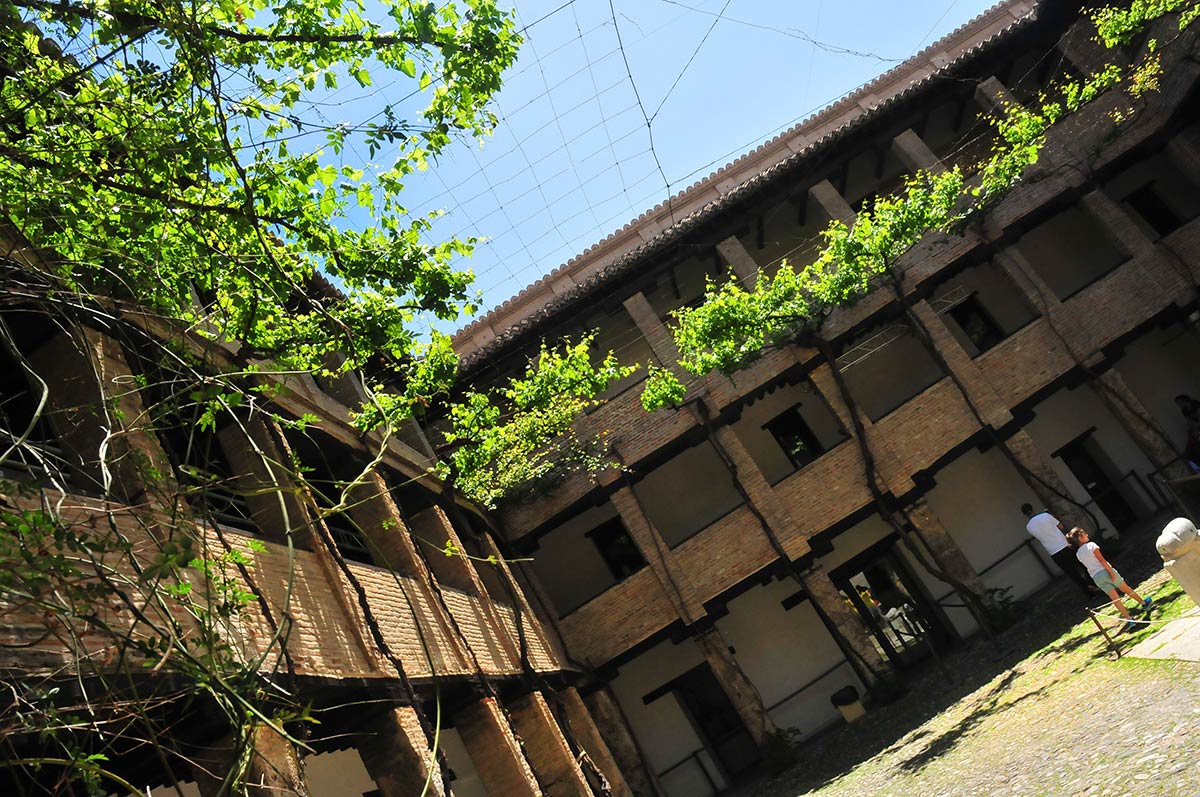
[[611, 724], [829, 600], [592, 741], [559, 774], [737, 687], [497, 756], [396, 755]]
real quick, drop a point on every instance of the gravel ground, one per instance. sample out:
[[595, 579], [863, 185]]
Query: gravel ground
[[1054, 714]]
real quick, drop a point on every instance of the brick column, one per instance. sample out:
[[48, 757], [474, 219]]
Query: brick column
[[654, 331], [589, 738], [832, 202], [994, 97], [1183, 153], [1035, 460], [740, 690], [85, 374], [458, 571], [547, 750], [256, 455], [978, 389], [610, 722], [828, 601], [1028, 281], [274, 770], [397, 755], [761, 495], [742, 262], [657, 555], [915, 154], [946, 553], [1140, 424], [1117, 221], [890, 474], [495, 751]]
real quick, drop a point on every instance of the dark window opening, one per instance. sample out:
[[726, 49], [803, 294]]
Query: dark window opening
[[1153, 209], [38, 453], [617, 549], [320, 461], [795, 437], [204, 471], [976, 323]]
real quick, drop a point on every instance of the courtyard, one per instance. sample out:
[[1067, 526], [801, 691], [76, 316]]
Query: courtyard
[[1051, 712]]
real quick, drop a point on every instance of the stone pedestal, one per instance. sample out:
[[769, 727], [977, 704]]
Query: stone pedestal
[[1179, 547]]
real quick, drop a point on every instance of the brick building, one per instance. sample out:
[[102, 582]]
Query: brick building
[[1067, 315], [395, 647], [738, 572]]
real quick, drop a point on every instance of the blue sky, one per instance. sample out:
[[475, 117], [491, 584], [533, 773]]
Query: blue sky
[[572, 159]]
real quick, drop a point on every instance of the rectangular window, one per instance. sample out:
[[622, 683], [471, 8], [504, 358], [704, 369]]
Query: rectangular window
[[976, 323], [795, 436], [617, 549]]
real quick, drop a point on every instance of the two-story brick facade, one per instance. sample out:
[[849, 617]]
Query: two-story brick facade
[[702, 583]]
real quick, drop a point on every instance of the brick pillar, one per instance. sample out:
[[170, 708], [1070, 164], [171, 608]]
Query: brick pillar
[[397, 755], [434, 526], [1117, 221], [1035, 460], [495, 751], [977, 388], [915, 154], [657, 555], [1183, 153], [257, 457], [742, 262], [1140, 424], [891, 475], [832, 202], [654, 331], [590, 739], [275, 769], [1028, 281], [546, 748], [828, 600], [946, 553], [610, 722], [761, 494], [740, 690], [994, 97]]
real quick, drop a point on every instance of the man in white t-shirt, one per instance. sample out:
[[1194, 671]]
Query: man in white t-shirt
[[1048, 531]]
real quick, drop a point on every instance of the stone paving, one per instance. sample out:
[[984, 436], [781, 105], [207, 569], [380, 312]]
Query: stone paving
[[1053, 713]]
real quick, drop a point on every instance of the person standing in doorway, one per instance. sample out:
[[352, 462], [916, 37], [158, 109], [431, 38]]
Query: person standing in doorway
[[1048, 531]]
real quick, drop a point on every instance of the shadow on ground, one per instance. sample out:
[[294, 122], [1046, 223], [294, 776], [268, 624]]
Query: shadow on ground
[[1043, 630]]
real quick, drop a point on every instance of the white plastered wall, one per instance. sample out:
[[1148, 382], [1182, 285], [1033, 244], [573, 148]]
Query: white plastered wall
[[661, 727], [1159, 366], [569, 565], [978, 498], [762, 445], [337, 774], [782, 650], [687, 493], [466, 781], [1068, 414]]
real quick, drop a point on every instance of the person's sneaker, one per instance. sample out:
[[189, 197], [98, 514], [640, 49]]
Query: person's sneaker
[[1130, 626], [1147, 605]]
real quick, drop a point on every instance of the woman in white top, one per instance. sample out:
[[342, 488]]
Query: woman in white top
[[1105, 575]]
